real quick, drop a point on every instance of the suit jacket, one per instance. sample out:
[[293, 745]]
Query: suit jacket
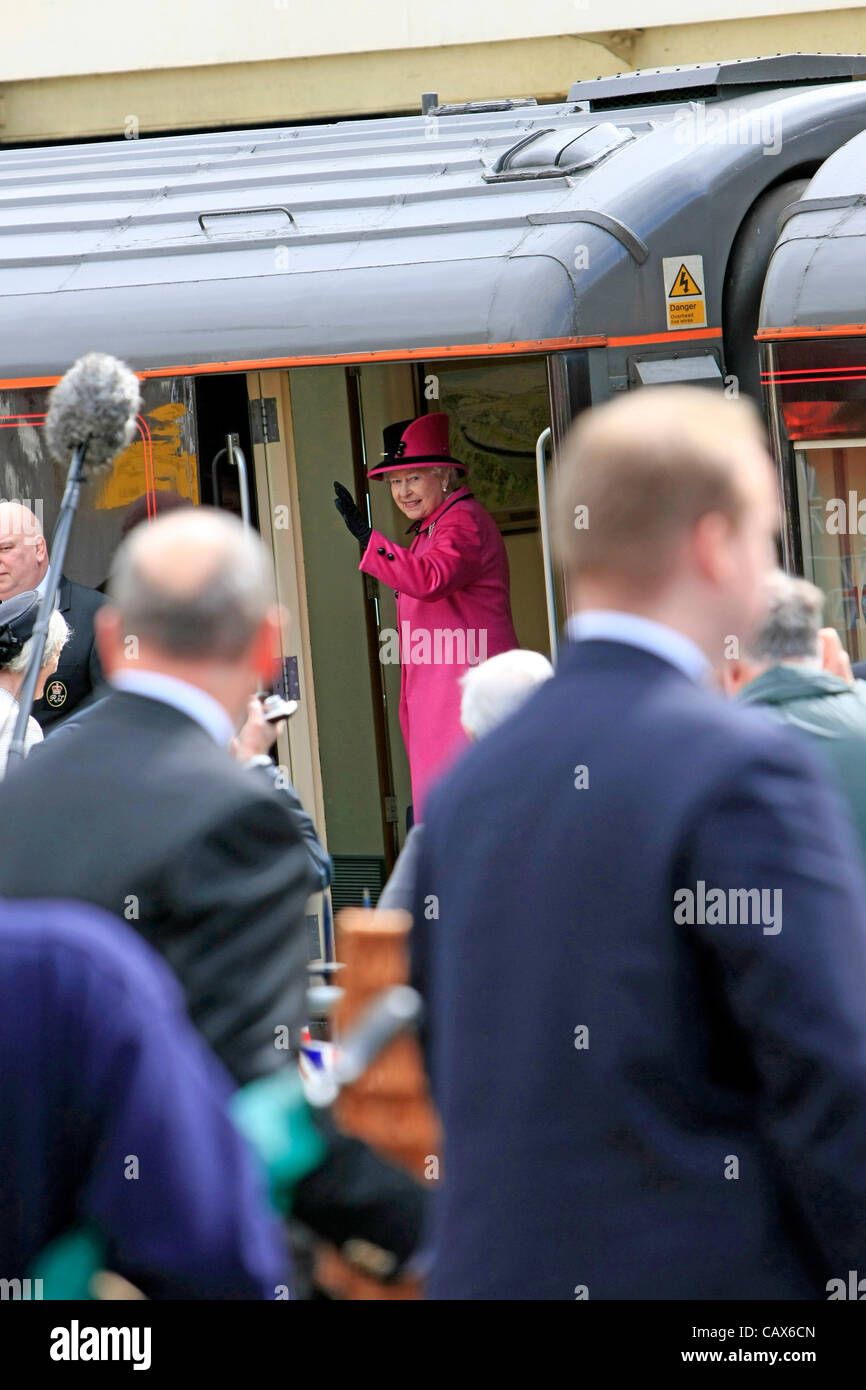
[[138, 811], [636, 1104], [78, 672]]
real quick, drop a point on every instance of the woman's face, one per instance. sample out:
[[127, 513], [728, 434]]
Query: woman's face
[[416, 494]]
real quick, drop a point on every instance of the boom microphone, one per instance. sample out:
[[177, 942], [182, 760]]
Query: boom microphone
[[95, 406], [91, 417]]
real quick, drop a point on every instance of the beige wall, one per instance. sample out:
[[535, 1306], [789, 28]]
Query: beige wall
[[170, 75], [51, 38]]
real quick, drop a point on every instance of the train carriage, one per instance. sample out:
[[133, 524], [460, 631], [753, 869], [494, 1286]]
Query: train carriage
[[292, 291], [812, 334]]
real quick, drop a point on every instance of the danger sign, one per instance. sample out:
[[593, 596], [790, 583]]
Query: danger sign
[[685, 302]]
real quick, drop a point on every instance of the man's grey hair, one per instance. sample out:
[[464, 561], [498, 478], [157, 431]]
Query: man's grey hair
[[55, 640], [498, 687], [195, 583], [792, 623]]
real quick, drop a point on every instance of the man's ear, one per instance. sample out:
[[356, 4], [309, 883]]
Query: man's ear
[[108, 638], [710, 547]]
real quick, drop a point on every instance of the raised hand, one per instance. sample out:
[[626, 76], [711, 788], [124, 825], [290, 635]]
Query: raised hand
[[345, 504]]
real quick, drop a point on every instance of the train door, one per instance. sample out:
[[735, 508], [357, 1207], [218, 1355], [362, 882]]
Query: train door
[[328, 423]]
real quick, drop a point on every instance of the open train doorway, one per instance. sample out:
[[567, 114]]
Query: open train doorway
[[331, 420]]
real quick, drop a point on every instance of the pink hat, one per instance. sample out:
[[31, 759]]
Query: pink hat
[[421, 443]]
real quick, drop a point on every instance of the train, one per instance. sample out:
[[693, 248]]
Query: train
[[286, 293]]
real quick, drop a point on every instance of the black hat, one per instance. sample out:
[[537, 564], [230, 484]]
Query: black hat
[[419, 443], [17, 621]]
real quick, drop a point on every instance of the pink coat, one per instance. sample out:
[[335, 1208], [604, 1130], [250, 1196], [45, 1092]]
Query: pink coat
[[453, 611]]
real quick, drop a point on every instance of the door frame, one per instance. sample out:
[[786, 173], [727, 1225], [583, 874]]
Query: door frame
[[276, 482]]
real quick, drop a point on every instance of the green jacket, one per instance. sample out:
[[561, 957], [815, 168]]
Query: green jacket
[[832, 715]]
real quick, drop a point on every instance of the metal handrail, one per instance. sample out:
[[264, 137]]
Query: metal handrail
[[235, 458], [549, 592]]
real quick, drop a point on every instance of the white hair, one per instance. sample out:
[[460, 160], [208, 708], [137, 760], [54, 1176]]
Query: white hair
[[450, 477], [498, 687], [55, 640]]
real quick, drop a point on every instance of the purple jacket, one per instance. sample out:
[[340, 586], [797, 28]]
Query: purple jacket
[[113, 1115]]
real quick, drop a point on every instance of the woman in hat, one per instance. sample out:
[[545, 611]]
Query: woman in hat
[[453, 606], [17, 621]]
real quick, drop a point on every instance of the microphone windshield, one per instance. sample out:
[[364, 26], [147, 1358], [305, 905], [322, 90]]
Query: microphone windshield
[[95, 403]]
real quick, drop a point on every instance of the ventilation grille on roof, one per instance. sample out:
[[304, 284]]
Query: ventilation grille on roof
[[698, 81], [547, 154]]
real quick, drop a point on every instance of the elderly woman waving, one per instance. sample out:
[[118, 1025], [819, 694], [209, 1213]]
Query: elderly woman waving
[[453, 606]]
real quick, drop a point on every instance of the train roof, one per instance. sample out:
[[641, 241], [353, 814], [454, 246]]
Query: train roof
[[487, 224], [817, 274]]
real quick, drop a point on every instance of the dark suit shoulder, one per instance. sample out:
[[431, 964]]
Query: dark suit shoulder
[[127, 746], [80, 598], [648, 726]]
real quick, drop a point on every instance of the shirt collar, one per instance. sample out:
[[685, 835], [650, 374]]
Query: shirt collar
[[609, 625], [457, 495], [189, 699]]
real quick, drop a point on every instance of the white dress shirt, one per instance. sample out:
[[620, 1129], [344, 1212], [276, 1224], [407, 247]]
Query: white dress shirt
[[610, 625], [189, 699]]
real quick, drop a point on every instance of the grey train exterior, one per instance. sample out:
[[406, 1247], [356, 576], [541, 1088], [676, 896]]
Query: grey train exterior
[[533, 226], [617, 240]]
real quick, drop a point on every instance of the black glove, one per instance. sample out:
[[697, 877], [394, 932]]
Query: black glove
[[345, 504]]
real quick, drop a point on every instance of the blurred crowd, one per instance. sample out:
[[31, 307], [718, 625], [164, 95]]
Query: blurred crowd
[[637, 899]]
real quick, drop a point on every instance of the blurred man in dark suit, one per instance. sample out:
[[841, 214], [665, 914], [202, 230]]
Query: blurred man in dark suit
[[142, 811], [641, 919], [100, 1067], [24, 565]]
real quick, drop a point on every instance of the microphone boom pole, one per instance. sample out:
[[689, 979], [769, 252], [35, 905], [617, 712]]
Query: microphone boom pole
[[59, 542], [92, 416]]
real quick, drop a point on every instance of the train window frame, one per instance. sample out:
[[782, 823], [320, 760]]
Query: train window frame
[[827, 376]]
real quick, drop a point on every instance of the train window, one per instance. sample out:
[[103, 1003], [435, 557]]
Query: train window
[[162, 457], [819, 391], [831, 489]]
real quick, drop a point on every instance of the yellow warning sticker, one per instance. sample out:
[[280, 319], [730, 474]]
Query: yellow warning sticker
[[683, 284], [685, 302]]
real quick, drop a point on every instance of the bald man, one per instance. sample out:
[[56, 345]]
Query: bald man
[[141, 810], [24, 565]]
